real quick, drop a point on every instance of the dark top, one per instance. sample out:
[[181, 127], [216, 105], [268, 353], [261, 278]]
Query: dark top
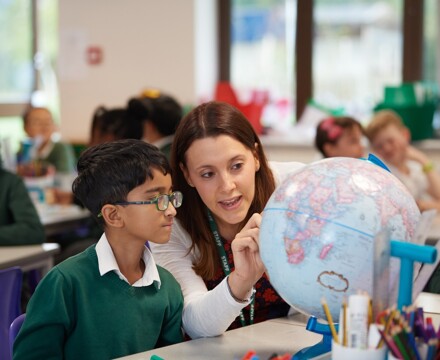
[[19, 221]]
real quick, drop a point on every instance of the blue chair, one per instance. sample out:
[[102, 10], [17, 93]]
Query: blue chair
[[10, 305], [14, 329]]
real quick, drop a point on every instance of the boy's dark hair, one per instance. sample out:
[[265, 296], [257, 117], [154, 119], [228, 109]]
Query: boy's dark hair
[[108, 172], [161, 109], [116, 123]]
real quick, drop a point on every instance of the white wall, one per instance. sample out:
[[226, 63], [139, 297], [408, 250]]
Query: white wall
[[206, 48], [145, 43]]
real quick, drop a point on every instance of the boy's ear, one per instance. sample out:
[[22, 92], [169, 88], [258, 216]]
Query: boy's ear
[[111, 216]]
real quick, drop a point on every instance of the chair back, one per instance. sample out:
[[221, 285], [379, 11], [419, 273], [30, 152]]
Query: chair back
[[14, 329], [10, 305]]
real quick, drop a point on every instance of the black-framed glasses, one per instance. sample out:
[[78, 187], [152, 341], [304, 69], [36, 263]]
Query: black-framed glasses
[[162, 201]]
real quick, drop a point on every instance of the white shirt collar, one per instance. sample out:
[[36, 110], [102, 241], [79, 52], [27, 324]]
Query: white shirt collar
[[162, 141], [107, 262], [44, 152]]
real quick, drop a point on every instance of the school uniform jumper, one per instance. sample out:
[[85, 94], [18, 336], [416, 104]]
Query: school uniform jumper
[[19, 221], [76, 313]]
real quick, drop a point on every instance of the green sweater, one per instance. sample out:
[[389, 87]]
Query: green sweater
[[19, 221], [62, 157], [77, 314]]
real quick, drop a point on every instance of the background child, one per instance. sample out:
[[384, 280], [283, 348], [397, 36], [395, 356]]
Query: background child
[[19, 221], [111, 300], [160, 114], [39, 125], [114, 124], [390, 140], [340, 136]]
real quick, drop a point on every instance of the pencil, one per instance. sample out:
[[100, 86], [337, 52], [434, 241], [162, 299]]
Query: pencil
[[401, 346], [413, 344], [370, 312], [330, 320], [391, 345], [387, 327], [432, 347], [410, 347], [344, 323]]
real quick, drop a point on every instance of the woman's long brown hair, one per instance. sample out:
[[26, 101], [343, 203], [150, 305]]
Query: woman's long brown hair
[[211, 120]]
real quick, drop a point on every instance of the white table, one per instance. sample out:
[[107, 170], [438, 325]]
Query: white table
[[283, 335], [286, 335], [29, 257]]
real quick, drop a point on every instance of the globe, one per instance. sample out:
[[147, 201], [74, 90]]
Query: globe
[[319, 226]]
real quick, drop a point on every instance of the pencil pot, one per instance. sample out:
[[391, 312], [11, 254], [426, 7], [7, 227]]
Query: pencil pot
[[340, 352]]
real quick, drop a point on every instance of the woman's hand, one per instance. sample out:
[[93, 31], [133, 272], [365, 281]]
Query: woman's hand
[[248, 264]]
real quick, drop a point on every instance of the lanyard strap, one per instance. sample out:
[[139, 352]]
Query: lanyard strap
[[225, 265]]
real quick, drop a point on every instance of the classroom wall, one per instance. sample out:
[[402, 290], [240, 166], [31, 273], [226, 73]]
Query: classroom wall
[[144, 43]]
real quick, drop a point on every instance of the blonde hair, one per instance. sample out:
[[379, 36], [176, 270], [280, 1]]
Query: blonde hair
[[380, 121]]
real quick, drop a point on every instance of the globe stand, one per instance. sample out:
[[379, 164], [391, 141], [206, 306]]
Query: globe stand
[[324, 346], [408, 254]]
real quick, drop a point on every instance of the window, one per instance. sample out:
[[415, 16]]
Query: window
[[262, 55], [16, 51], [358, 48], [356, 52], [20, 80], [430, 43]]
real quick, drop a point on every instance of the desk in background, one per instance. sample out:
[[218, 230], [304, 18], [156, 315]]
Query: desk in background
[[283, 335], [61, 218], [29, 257]]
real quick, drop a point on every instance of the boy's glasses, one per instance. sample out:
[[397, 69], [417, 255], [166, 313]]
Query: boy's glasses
[[162, 201]]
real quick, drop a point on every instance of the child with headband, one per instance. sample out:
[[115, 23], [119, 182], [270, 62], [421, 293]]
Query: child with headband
[[340, 136]]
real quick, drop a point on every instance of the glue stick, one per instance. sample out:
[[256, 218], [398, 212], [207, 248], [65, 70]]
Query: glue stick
[[358, 320]]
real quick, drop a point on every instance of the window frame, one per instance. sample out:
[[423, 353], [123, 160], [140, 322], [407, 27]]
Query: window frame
[[412, 56], [9, 109]]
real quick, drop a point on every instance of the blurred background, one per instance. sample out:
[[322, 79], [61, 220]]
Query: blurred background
[[342, 56]]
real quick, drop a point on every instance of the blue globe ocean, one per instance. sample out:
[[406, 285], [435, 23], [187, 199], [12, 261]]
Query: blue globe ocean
[[318, 230]]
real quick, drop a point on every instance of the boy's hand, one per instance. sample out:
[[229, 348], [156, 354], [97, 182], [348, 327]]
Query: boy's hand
[[414, 154], [248, 264]]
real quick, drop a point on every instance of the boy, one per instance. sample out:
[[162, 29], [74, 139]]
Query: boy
[[39, 125], [111, 300], [390, 139], [47, 152], [19, 221]]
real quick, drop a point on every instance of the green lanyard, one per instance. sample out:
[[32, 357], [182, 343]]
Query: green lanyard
[[225, 265]]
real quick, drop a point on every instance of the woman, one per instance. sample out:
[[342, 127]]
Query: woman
[[219, 165]]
